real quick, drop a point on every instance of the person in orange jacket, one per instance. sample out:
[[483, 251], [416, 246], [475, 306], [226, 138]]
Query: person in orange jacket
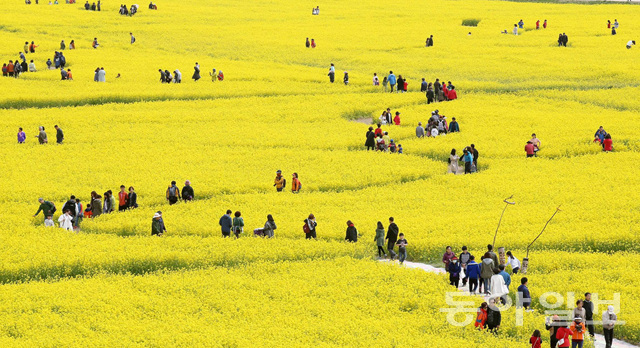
[[295, 184], [577, 332], [481, 319]]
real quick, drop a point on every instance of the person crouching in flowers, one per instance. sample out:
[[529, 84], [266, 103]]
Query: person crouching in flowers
[[156, 226]]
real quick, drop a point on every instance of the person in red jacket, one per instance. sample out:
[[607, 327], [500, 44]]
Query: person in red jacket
[[538, 24], [378, 130], [563, 334], [536, 338], [481, 319], [453, 95], [607, 144], [396, 119], [530, 149]]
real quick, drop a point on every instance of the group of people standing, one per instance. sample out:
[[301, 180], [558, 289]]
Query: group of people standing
[[604, 139], [174, 194], [381, 141], [437, 125], [280, 183], [92, 7], [469, 158], [123, 10], [176, 77], [438, 92]]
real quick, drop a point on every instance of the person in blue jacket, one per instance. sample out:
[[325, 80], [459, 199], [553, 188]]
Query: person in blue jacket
[[473, 273], [468, 159], [225, 224], [505, 275], [392, 80], [524, 290], [454, 272]]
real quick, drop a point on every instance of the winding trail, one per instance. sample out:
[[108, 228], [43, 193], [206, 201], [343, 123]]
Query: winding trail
[[599, 343]]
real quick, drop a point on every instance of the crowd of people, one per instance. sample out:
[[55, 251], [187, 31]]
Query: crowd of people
[[381, 141], [437, 125]]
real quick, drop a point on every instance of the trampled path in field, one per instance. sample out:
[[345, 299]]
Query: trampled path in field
[[599, 343]]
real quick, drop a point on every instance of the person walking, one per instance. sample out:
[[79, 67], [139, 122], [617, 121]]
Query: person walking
[[310, 225], [352, 233], [402, 247], [187, 191], [486, 271], [22, 136], [379, 239], [196, 72], [269, 226], [609, 321], [156, 225], [464, 259], [376, 81], [47, 208], [225, 224], [237, 224], [588, 309], [313, 43], [77, 219], [454, 272], [563, 334], [173, 193], [473, 274], [431, 97], [370, 143], [66, 220], [59, 134], [453, 162], [133, 38], [467, 157], [419, 130], [498, 287], [307, 44], [392, 80], [474, 152], [392, 237], [123, 199], [346, 78], [296, 185], [332, 73]]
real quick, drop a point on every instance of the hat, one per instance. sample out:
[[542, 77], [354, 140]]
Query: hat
[[610, 309], [278, 171], [311, 216], [577, 318], [156, 215], [187, 182], [454, 258], [159, 212]]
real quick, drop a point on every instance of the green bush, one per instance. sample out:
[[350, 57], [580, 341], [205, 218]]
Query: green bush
[[470, 22]]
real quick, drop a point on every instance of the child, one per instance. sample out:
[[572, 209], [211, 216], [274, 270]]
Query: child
[[399, 148], [536, 339], [88, 213], [392, 146], [65, 221], [48, 222], [402, 247], [577, 332], [346, 78], [481, 319]]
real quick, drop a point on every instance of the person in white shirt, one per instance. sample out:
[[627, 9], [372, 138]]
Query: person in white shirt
[[515, 263], [498, 286], [32, 66], [630, 43], [515, 29], [65, 221], [376, 81], [178, 76], [434, 132]]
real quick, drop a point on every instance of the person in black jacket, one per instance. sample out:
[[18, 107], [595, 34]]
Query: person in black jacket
[[392, 237], [371, 140], [493, 316], [588, 309], [352, 232], [187, 191], [400, 84], [475, 155], [133, 198], [59, 134], [70, 205]]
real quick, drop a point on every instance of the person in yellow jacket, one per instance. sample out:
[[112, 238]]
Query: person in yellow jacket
[[280, 181], [295, 184]]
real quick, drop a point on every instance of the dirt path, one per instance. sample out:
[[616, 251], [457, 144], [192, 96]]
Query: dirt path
[[599, 343]]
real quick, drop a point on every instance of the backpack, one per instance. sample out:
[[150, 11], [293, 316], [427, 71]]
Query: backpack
[[306, 228], [172, 191]]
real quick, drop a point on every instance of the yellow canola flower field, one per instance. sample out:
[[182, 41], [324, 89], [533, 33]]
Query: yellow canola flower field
[[113, 284]]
